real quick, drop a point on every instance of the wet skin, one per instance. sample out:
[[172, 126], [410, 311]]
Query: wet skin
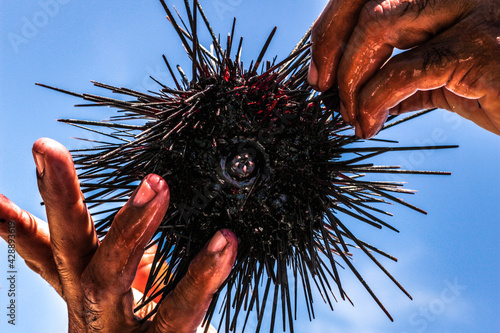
[[452, 62]]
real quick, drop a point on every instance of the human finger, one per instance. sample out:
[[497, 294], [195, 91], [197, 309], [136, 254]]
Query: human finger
[[329, 36], [183, 309], [31, 240], [72, 234], [108, 278], [443, 98], [115, 263], [384, 25], [465, 67]]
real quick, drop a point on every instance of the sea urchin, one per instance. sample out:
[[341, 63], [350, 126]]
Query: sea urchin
[[252, 149]]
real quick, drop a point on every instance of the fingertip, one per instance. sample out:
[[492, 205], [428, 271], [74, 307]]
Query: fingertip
[[231, 248], [48, 146], [359, 131], [321, 73], [6, 207], [157, 183], [222, 248], [216, 260], [160, 186], [40, 144], [149, 188], [230, 236], [38, 150], [4, 200], [52, 155], [143, 212], [154, 191], [57, 178], [345, 114], [7, 211], [370, 123], [187, 304], [313, 76], [217, 243]]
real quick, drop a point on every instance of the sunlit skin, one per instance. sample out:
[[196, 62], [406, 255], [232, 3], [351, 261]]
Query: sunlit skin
[[452, 62], [95, 278]]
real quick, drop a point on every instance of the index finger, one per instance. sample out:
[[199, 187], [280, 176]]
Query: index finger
[[330, 34]]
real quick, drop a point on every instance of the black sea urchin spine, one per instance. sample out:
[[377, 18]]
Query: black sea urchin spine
[[252, 149]]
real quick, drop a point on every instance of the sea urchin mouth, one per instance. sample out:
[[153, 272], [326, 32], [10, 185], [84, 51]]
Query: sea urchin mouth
[[242, 163]]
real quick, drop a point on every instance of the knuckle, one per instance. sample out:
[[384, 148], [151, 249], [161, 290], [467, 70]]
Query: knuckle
[[385, 13], [376, 19], [172, 316], [92, 315], [475, 80], [415, 6], [438, 57], [193, 287], [465, 80], [164, 322], [376, 13], [193, 280]]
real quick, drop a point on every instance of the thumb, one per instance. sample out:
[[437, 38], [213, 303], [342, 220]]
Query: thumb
[[183, 309]]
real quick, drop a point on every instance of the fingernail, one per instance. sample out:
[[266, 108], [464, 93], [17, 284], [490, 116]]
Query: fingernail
[[40, 164], [313, 76], [344, 114], [359, 131], [146, 192], [218, 243]]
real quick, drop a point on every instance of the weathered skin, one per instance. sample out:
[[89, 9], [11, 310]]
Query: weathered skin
[[452, 62], [95, 278]]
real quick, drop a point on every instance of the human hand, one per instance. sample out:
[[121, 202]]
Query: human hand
[[453, 61], [95, 278]]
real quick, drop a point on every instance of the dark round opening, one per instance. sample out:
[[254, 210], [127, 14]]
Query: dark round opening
[[241, 165], [242, 162]]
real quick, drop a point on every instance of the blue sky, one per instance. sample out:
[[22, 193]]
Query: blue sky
[[448, 259]]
